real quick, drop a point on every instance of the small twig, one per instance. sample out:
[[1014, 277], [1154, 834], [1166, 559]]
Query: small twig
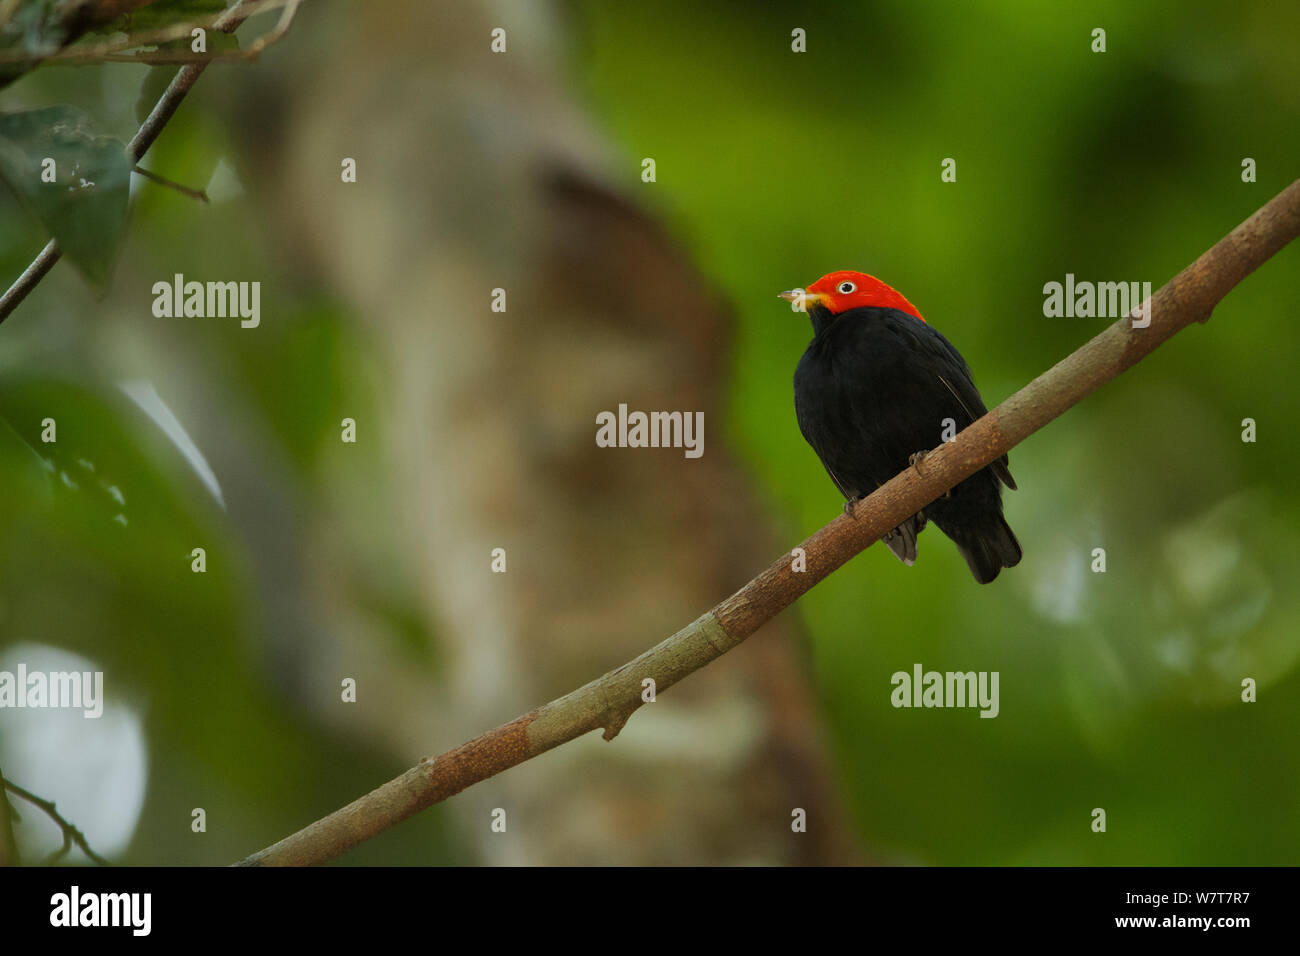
[[30, 278], [198, 194], [71, 835], [281, 28], [149, 130]]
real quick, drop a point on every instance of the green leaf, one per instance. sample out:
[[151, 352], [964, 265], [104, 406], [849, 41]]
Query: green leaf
[[85, 206], [165, 13]]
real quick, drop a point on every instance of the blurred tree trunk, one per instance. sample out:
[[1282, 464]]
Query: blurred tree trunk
[[477, 171]]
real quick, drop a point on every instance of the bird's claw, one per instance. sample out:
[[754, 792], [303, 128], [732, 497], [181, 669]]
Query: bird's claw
[[848, 507], [916, 460]]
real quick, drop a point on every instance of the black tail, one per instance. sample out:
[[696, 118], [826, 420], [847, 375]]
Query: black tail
[[902, 540], [989, 549]]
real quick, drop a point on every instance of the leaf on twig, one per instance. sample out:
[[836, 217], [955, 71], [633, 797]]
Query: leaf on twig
[[85, 206]]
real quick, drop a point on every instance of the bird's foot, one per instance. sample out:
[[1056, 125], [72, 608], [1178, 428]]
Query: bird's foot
[[848, 506], [917, 460]]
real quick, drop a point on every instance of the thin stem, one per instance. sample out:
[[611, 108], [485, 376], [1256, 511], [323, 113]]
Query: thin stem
[[71, 835], [198, 194]]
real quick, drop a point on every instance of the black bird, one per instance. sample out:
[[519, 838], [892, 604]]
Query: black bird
[[872, 393]]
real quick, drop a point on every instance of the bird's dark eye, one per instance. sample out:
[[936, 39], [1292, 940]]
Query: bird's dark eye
[[844, 288]]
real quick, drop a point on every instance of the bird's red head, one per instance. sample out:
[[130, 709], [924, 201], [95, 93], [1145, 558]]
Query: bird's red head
[[840, 291]]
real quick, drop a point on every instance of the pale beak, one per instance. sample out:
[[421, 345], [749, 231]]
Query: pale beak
[[801, 300]]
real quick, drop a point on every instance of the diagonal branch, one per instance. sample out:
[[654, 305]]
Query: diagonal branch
[[609, 701], [163, 111]]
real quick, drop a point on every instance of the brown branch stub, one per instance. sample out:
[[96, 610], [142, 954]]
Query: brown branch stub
[[609, 701]]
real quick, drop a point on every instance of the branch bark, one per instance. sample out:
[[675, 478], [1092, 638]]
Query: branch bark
[[609, 701], [149, 130]]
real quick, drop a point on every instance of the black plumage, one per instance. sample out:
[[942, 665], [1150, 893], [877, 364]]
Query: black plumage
[[872, 390]]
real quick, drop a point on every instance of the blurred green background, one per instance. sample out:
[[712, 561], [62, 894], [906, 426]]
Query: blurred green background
[[1119, 690]]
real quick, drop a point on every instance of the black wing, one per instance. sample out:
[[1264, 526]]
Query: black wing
[[957, 379]]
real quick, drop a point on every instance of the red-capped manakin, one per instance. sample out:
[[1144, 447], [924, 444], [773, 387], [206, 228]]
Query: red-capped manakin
[[873, 390]]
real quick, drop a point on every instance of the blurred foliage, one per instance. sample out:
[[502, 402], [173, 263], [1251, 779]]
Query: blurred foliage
[[1118, 690], [35, 29], [31, 30], [97, 528]]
